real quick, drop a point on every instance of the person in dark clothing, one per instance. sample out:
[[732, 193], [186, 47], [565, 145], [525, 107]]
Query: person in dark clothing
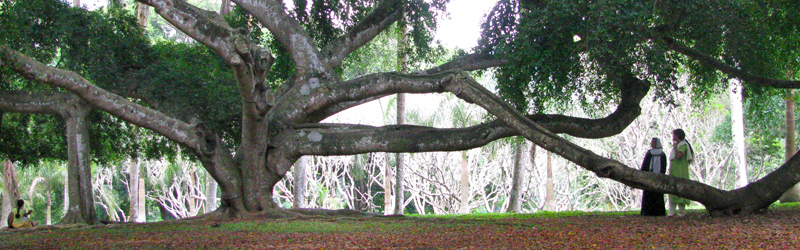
[[654, 161]]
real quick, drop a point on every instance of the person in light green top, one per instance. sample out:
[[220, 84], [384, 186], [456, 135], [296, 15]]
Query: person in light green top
[[682, 155]]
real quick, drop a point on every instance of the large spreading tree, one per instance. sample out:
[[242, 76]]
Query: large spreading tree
[[545, 52]]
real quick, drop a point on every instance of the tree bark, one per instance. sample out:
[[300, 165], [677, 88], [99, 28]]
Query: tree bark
[[514, 202], [388, 197], [133, 189], [211, 193], [225, 7], [81, 200], [464, 196], [402, 66], [550, 190], [141, 14], [10, 191], [737, 128], [300, 182], [399, 173]]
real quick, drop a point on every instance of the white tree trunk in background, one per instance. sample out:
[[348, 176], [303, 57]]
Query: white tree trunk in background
[[388, 198], [399, 174], [211, 194], [550, 191], [516, 179], [737, 123], [464, 208], [300, 182], [141, 215], [793, 194], [402, 66], [133, 190]]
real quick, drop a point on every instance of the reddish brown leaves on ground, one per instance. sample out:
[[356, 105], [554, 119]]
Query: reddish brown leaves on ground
[[773, 230]]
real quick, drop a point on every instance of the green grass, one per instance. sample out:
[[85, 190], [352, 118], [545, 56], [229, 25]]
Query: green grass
[[543, 214]]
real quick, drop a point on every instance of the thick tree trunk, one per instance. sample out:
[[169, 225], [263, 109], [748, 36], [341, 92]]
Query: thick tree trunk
[[514, 203], [300, 182], [793, 194], [81, 200], [737, 123]]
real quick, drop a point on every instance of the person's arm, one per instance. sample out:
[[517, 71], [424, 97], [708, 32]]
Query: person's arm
[[680, 152], [664, 164]]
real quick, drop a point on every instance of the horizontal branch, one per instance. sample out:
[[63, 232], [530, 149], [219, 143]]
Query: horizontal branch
[[349, 139], [28, 102], [467, 63]]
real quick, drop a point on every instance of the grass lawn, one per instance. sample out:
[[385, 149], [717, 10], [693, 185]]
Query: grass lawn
[[776, 229]]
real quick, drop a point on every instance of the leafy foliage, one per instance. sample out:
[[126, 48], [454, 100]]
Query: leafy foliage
[[562, 49], [28, 138], [103, 46]]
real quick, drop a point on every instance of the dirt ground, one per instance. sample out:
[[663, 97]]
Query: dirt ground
[[776, 229]]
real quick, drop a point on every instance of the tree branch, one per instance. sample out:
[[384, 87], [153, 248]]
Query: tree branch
[[724, 68], [288, 32], [206, 27], [160, 123], [348, 139], [467, 63], [386, 13], [35, 102]]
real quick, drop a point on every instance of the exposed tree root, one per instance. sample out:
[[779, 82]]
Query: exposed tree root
[[73, 218]]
